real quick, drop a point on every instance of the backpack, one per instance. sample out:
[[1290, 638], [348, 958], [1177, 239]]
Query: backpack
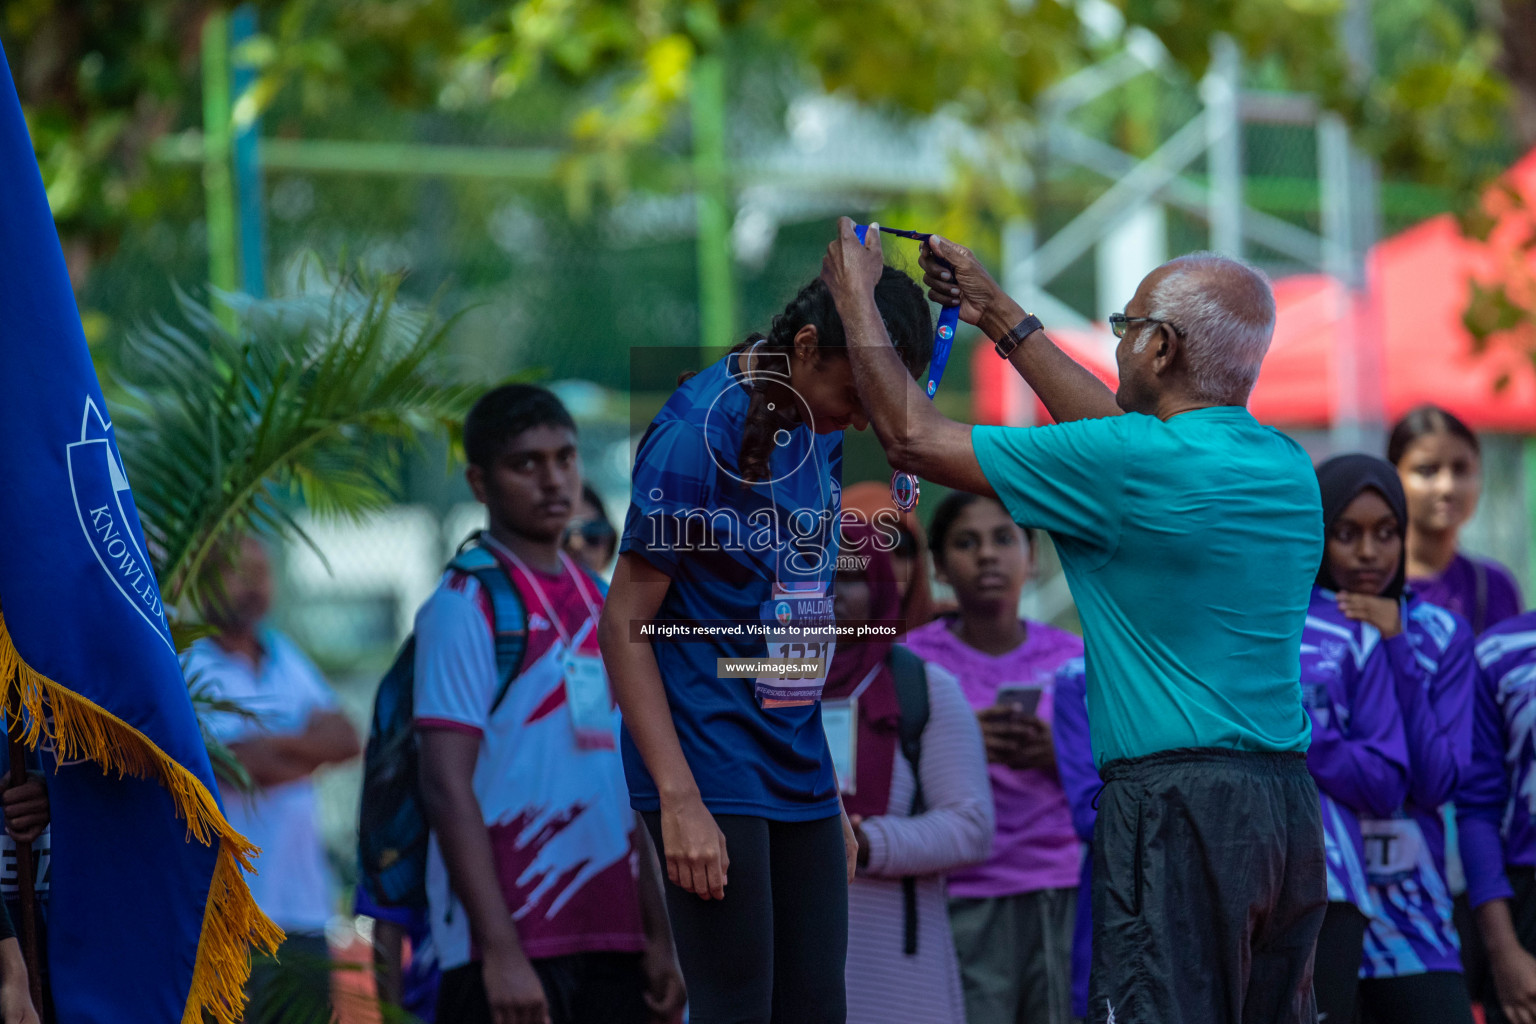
[[392, 831], [911, 678]]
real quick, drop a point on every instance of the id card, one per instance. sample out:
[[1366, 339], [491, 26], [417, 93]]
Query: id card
[[839, 721], [1393, 847], [586, 692], [796, 628]]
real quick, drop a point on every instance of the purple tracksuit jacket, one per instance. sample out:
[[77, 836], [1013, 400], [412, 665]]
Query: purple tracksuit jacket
[[1496, 806], [1410, 930], [1359, 755]]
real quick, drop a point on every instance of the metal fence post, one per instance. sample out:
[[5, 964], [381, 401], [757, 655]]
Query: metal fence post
[[218, 183], [717, 286]]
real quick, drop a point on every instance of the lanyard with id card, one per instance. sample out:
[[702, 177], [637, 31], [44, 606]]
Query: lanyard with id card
[[586, 681], [797, 623], [840, 721], [587, 694]]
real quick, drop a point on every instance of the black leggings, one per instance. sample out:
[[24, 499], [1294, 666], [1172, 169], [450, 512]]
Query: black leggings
[[1438, 997], [1336, 969], [772, 951]]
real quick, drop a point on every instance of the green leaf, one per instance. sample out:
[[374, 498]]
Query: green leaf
[[1490, 310]]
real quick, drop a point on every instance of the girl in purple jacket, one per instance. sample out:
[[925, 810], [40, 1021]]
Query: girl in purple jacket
[[1411, 969], [1496, 810], [1440, 463], [1359, 754]]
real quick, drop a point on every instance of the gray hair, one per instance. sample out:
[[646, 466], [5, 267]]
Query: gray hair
[[1225, 312]]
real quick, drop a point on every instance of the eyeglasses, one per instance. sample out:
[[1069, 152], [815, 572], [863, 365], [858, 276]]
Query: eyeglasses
[[592, 532], [1118, 322]]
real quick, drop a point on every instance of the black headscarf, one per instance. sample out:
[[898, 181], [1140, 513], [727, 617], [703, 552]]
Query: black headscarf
[[1341, 480]]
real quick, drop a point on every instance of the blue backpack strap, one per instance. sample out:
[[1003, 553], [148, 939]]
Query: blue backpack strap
[[508, 611]]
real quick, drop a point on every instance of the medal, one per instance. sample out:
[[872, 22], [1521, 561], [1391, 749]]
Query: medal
[[904, 486], [904, 491]]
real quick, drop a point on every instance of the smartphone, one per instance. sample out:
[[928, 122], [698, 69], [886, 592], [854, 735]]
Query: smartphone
[[1022, 699]]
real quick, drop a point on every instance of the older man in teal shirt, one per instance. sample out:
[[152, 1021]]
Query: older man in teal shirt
[[1190, 536]]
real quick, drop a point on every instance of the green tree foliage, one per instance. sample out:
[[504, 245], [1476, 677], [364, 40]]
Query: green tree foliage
[[607, 81], [311, 400], [101, 81]]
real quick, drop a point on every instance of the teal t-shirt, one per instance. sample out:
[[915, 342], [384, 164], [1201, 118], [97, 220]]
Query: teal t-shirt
[[1190, 546]]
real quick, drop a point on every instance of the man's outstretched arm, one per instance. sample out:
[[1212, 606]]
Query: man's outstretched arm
[[1069, 390], [916, 436]]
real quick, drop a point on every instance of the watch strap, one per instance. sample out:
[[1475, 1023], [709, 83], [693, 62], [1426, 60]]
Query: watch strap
[[1015, 337]]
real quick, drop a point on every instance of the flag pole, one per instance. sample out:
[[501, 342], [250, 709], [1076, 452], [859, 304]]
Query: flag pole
[[24, 869]]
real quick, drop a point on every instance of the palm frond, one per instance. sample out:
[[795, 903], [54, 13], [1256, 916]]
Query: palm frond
[[311, 399]]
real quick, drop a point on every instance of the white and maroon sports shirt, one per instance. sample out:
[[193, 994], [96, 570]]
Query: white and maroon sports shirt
[[558, 814]]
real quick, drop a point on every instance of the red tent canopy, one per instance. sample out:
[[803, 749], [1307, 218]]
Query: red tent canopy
[[1420, 287]]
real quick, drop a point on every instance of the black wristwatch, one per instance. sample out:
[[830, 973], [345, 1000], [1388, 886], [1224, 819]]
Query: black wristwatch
[[1014, 338]]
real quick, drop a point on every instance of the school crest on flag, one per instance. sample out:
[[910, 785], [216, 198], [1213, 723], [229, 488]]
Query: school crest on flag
[[104, 503]]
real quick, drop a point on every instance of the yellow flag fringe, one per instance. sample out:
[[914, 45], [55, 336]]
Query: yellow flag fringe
[[232, 923]]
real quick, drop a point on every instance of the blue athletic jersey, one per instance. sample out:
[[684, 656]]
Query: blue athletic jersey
[[1411, 931], [1496, 807], [724, 542], [1358, 755]]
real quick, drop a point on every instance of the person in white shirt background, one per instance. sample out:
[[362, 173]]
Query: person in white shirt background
[[292, 729]]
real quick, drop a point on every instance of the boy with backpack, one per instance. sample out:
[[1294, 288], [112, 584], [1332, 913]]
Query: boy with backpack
[[543, 895]]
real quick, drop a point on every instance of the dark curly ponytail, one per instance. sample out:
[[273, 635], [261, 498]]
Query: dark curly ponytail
[[907, 320]]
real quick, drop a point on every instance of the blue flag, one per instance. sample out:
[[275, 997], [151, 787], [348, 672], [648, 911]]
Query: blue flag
[[149, 917]]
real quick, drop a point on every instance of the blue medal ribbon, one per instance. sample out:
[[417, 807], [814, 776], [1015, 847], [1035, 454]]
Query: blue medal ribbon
[[949, 316], [904, 486]]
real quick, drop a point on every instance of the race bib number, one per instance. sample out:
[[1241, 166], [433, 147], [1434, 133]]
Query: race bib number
[[797, 630], [1393, 847], [586, 692], [839, 721]]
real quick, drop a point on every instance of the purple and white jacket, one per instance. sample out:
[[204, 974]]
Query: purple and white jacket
[[1496, 806], [1359, 754], [1410, 930]]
